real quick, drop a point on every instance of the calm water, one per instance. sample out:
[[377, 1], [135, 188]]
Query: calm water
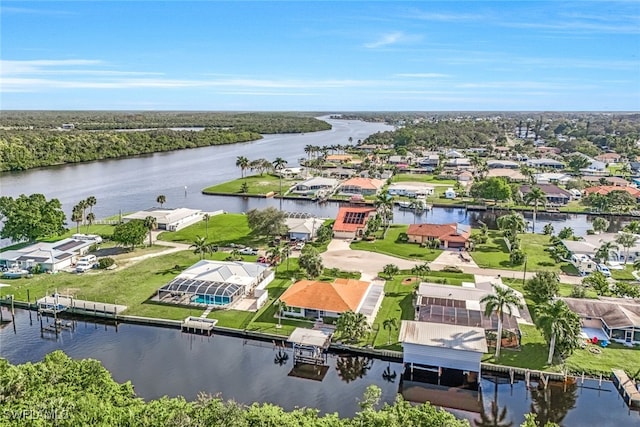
[[163, 362]]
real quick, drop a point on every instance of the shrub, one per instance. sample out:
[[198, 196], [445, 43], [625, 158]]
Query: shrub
[[105, 262]]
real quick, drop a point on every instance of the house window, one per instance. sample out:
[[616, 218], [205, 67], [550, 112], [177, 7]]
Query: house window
[[636, 335], [618, 334]]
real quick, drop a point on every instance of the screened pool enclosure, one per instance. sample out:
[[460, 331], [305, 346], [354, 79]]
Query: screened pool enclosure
[[191, 291]]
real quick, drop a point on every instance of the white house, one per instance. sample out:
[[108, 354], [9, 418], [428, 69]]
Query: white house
[[312, 185], [410, 189], [303, 228], [168, 219], [51, 257]]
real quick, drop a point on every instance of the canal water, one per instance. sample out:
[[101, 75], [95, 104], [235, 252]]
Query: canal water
[[160, 361]]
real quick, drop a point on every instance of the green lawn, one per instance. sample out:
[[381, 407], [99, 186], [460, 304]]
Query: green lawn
[[390, 246], [494, 254], [397, 304], [623, 274], [258, 185], [223, 229], [613, 356], [532, 355]]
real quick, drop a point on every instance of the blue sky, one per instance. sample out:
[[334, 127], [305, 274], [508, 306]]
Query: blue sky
[[320, 56]]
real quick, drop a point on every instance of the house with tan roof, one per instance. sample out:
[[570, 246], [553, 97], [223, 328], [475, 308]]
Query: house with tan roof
[[451, 235], [609, 157], [364, 186], [613, 319], [316, 299], [606, 189], [339, 158], [351, 222]]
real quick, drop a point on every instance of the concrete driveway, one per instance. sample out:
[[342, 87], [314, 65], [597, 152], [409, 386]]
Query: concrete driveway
[[339, 255]]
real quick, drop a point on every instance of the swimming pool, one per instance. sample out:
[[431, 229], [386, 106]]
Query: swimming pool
[[210, 300]]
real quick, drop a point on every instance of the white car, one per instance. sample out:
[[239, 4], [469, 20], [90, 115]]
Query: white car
[[604, 270], [83, 266], [248, 251], [299, 246]]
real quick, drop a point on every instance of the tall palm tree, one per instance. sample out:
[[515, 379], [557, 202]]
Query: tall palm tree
[[278, 164], [76, 216], [91, 202], [200, 246], [206, 217], [90, 218], [502, 300], [558, 322], [384, 204], [627, 241], [280, 307], [243, 163], [274, 255], [151, 223], [161, 199], [82, 205], [534, 197], [390, 323]]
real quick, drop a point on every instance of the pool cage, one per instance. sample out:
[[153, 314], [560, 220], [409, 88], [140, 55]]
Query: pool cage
[[199, 292]]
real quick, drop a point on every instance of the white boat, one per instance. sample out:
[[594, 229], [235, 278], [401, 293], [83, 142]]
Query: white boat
[[15, 273], [404, 205]]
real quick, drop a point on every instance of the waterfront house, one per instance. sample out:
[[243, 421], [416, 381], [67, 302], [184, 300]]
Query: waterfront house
[[615, 181], [410, 189], [451, 236], [340, 159], [49, 256], [351, 222], [304, 229], [429, 162], [590, 244], [219, 283], [458, 163], [613, 319], [318, 299], [606, 189], [168, 219], [363, 186], [312, 186], [554, 194]]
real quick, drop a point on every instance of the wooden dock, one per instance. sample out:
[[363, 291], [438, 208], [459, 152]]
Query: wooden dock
[[627, 388], [58, 303]]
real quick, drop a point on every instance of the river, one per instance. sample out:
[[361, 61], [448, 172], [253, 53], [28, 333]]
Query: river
[[127, 185], [161, 362]]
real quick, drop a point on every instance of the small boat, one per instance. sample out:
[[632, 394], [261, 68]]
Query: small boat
[[15, 273], [404, 205]]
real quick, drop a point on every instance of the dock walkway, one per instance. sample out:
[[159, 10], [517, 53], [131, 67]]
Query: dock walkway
[[627, 388]]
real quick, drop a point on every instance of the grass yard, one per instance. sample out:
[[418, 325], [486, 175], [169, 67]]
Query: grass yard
[[494, 254], [613, 356], [625, 274], [223, 229], [397, 304], [391, 246], [533, 353], [258, 185]]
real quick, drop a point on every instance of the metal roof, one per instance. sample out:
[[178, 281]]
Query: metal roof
[[463, 338]]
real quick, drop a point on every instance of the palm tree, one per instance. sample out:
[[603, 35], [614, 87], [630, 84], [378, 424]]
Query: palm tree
[[243, 163], [90, 218], [82, 205], [548, 229], [534, 197], [200, 246], [278, 164], [384, 204], [633, 227], [528, 172], [161, 199], [390, 323], [421, 269], [503, 299], [274, 254], [558, 323], [206, 217], [352, 326], [91, 202], [627, 241], [280, 307], [151, 223], [76, 216], [604, 251]]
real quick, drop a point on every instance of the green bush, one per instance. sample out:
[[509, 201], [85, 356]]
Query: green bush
[[105, 262]]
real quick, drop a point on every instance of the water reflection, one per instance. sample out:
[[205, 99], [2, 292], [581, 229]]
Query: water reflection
[[350, 368], [552, 403], [495, 417]]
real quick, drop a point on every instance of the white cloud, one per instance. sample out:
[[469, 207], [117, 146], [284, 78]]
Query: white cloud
[[386, 40]]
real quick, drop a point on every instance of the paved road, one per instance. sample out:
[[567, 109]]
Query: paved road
[[340, 255]]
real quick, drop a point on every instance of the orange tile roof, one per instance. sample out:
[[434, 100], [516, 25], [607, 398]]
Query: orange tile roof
[[443, 232], [367, 183], [340, 296], [606, 189], [341, 225]]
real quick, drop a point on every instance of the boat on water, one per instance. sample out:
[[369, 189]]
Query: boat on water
[[418, 205], [404, 204]]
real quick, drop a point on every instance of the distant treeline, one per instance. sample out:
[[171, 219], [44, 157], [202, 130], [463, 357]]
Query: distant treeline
[[265, 123], [33, 139]]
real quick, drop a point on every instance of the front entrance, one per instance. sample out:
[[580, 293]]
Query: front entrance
[[628, 336]]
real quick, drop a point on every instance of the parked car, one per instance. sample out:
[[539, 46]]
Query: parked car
[[299, 246], [248, 251], [83, 266], [604, 270]]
